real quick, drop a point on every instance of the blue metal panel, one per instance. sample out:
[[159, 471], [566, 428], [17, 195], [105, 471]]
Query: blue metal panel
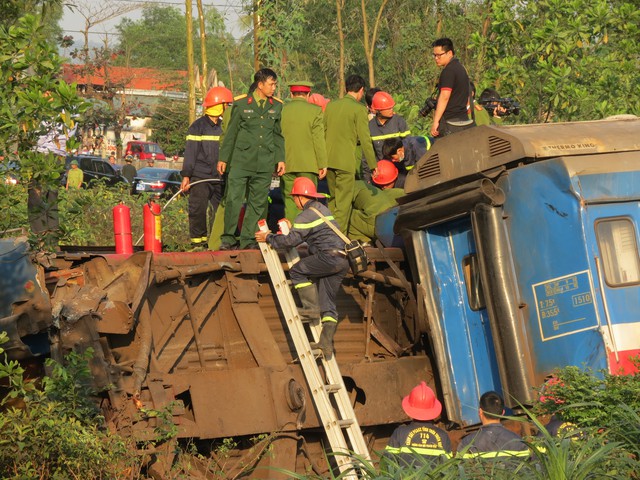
[[384, 228], [471, 361], [552, 263]]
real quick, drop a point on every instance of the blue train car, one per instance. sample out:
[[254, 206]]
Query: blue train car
[[525, 247]]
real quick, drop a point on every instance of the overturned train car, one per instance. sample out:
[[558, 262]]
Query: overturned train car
[[513, 252], [201, 335], [524, 242]]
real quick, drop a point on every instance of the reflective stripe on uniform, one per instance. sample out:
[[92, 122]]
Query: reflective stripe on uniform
[[202, 138], [315, 223], [502, 453], [432, 452], [302, 285], [328, 319], [391, 135], [199, 239]]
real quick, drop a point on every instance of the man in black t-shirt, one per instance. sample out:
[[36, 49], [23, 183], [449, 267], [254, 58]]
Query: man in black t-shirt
[[451, 113]]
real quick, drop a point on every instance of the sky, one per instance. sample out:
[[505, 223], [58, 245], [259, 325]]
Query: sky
[[73, 23]]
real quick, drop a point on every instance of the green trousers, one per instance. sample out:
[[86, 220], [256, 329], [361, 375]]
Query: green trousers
[[256, 187], [341, 187]]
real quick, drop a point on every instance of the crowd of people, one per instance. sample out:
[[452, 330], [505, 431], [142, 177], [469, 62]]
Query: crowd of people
[[359, 154]]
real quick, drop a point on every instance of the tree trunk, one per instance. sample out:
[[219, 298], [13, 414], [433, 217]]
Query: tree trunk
[[203, 50], [256, 35], [341, 84], [370, 44], [190, 62]]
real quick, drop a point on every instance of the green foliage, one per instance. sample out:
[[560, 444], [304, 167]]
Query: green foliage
[[595, 401], [565, 60], [169, 124], [45, 432]]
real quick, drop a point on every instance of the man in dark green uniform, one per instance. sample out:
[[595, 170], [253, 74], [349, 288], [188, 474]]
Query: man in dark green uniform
[[370, 201], [252, 148], [304, 146], [347, 135]]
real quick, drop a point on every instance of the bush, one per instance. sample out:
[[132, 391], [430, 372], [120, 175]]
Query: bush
[[86, 215], [54, 431]]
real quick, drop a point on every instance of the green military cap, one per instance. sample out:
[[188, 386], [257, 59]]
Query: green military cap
[[302, 86]]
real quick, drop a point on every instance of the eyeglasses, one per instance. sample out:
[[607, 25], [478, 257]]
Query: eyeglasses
[[438, 55]]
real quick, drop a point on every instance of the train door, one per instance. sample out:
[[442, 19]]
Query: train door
[[613, 237], [469, 358]]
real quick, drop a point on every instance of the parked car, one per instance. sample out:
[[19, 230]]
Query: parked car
[[145, 150], [94, 168], [157, 181]]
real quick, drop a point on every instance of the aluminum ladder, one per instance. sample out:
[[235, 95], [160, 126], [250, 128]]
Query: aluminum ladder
[[330, 397]]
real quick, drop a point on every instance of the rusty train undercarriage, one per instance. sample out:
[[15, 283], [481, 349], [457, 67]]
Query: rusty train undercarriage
[[201, 335]]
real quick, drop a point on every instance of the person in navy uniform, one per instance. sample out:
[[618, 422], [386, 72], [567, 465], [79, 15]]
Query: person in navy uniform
[[492, 439], [420, 441], [325, 265]]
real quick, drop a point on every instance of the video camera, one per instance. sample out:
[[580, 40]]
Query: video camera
[[509, 106], [429, 105]]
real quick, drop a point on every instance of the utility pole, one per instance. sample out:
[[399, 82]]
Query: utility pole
[[190, 66]]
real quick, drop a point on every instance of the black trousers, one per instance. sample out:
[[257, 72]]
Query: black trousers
[[200, 197], [327, 270]]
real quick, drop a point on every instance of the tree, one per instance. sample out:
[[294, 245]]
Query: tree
[[578, 60], [370, 41], [169, 124], [33, 103]]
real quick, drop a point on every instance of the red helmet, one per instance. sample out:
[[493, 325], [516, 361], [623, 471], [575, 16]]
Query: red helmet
[[382, 101], [422, 403], [386, 172], [305, 187], [216, 96], [318, 99]]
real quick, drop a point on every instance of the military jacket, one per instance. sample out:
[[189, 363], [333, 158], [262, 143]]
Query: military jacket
[[347, 135], [201, 149], [303, 131], [253, 138]]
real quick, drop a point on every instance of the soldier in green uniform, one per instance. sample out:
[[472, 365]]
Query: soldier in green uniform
[[304, 146], [370, 201], [347, 135], [252, 148]]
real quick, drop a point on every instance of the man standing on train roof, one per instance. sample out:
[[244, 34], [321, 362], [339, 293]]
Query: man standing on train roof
[[200, 164], [325, 265], [252, 148], [454, 92], [304, 146], [348, 137]]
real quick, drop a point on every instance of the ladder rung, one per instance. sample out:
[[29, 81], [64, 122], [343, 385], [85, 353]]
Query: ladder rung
[[347, 422], [332, 388]]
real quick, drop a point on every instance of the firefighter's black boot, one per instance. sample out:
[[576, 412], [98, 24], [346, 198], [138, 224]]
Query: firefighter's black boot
[[326, 339], [310, 304]]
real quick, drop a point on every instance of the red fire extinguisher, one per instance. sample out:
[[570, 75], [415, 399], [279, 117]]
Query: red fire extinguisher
[[152, 227], [122, 228]]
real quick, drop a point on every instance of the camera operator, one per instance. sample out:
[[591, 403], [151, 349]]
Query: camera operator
[[489, 97], [453, 92]]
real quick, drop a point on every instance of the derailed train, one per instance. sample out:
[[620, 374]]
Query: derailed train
[[513, 252]]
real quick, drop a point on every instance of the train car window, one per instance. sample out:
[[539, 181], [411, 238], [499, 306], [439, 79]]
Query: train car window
[[619, 251], [473, 282]]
